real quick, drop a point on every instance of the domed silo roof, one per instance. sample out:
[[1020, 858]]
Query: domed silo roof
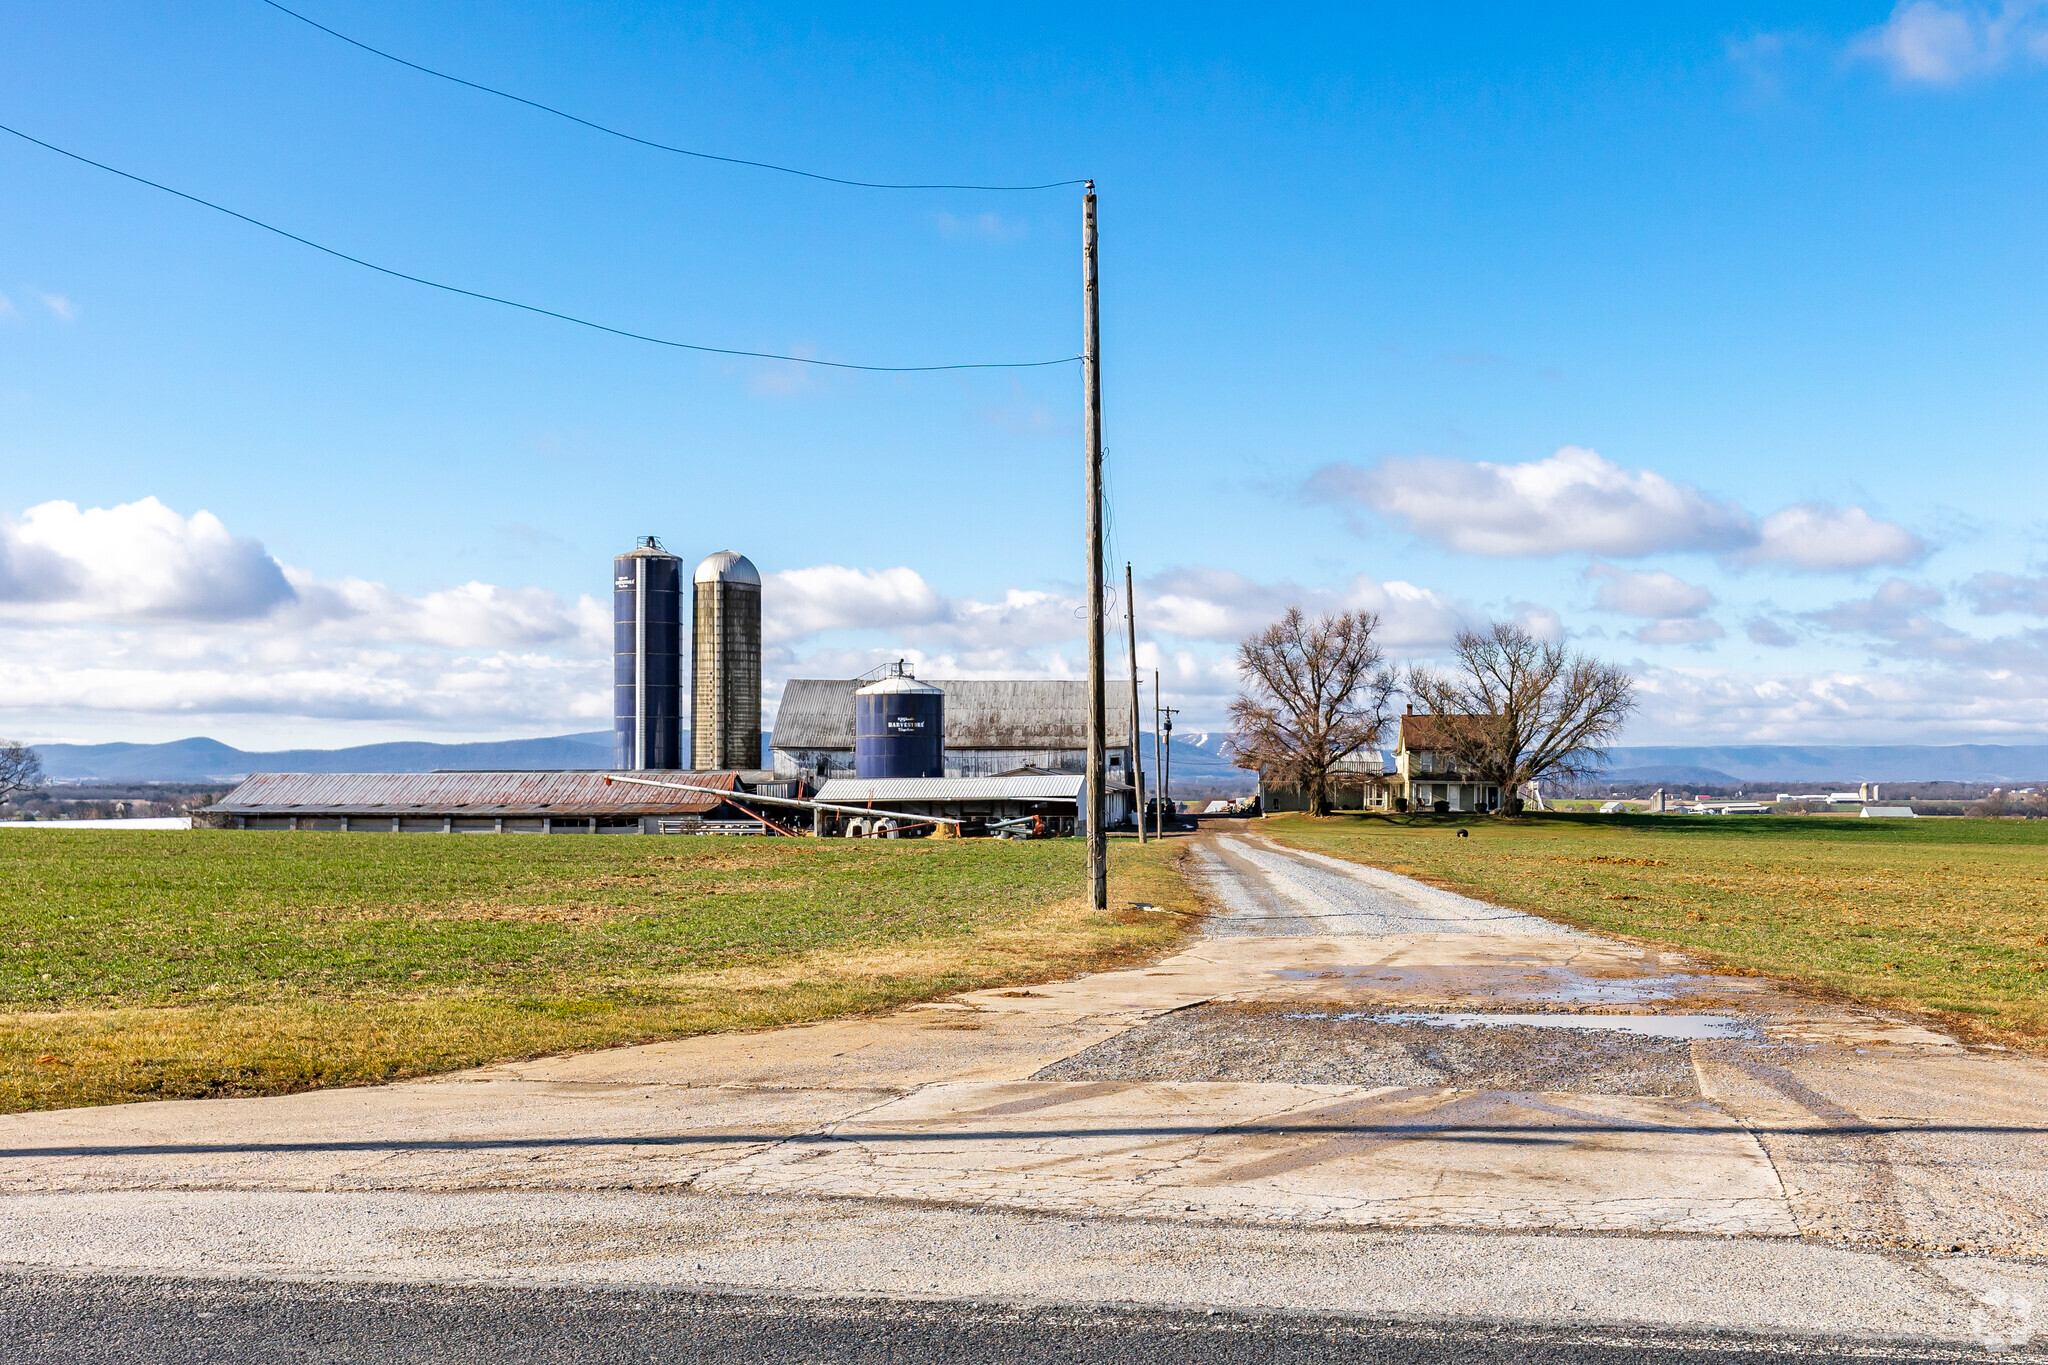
[[728, 566], [900, 683]]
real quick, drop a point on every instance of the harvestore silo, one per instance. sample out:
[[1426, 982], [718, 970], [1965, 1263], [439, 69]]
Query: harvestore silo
[[647, 657], [899, 728], [725, 645]]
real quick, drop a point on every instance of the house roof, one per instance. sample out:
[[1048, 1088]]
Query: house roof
[[1425, 732], [563, 795], [1046, 713]]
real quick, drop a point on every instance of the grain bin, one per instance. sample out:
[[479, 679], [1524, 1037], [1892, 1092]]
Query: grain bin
[[725, 646], [647, 662], [899, 728]]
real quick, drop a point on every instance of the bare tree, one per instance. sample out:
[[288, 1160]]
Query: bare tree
[[1519, 708], [21, 769], [1315, 693]]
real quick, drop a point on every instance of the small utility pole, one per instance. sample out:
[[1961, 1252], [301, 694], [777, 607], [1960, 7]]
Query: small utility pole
[[1137, 764], [1098, 718], [1158, 806], [1166, 764]]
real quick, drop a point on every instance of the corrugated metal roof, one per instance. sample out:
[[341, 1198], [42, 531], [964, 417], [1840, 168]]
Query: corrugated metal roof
[[981, 713], [882, 790], [563, 795]]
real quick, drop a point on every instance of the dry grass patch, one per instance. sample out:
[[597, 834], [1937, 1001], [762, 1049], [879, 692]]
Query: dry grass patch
[[224, 963], [1946, 918]]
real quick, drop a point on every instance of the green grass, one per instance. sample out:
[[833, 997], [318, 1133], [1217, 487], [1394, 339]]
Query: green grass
[[1944, 917], [144, 965]]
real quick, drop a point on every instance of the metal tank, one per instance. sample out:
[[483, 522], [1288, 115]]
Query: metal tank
[[647, 657], [725, 648], [899, 728]]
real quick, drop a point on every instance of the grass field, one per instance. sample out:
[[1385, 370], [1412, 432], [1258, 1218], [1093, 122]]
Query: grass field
[[1943, 917], [145, 965]]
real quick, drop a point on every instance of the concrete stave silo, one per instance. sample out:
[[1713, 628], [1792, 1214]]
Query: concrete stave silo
[[647, 664], [725, 646]]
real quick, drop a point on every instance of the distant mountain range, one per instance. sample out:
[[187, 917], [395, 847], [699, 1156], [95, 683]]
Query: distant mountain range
[[209, 760], [1196, 756]]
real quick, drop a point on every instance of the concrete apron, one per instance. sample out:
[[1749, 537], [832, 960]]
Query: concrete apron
[[1835, 1123]]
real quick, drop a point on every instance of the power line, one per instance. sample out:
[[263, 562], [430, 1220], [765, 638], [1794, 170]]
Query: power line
[[642, 141], [528, 307]]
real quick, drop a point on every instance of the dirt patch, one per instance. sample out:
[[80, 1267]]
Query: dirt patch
[[1290, 1044]]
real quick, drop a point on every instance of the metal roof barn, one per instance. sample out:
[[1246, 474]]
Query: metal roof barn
[[817, 713], [503, 802]]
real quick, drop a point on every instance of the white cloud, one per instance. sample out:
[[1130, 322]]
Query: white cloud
[[1992, 593], [1930, 705], [1225, 606], [1820, 538], [139, 561], [137, 611], [1680, 631], [1657, 595], [1574, 500], [1577, 501], [1896, 611], [62, 308], [1930, 43], [1765, 631]]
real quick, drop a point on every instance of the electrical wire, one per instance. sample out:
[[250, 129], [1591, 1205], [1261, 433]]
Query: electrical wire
[[642, 141], [528, 307]]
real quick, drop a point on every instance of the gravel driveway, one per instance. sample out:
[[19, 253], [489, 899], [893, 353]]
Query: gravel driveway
[[1268, 893]]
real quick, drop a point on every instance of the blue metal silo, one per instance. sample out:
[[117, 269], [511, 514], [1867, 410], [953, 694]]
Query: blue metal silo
[[899, 728], [647, 657]]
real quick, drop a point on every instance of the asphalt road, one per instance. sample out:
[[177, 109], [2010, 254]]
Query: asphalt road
[[81, 1320]]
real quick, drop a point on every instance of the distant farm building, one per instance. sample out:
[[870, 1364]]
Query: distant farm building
[[990, 728], [483, 803], [1359, 782]]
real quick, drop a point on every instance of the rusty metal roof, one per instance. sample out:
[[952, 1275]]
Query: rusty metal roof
[[563, 795]]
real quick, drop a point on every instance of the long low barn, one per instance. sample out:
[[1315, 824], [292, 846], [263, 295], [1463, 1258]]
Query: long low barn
[[465, 803]]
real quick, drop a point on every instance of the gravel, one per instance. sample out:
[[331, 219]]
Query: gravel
[[1291, 1043], [1270, 894]]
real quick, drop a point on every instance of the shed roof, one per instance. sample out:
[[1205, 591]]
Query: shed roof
[[563, 795], [1037, 787], [981, 713]]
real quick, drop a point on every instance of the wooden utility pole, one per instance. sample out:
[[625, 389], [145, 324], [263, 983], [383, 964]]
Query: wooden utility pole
[[1137, 763], [1166, 764], [1098, 716], [1158, 809]]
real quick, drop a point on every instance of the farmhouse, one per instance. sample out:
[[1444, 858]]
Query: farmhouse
[[1427, 773]]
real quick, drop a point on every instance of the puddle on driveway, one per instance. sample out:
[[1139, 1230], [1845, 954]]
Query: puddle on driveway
[[1533, 982], [1646, 1025]]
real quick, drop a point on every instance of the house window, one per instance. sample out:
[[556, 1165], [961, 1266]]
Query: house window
[[1425, 762]]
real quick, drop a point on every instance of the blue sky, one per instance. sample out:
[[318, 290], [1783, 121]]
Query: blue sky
[[1708, 337]]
